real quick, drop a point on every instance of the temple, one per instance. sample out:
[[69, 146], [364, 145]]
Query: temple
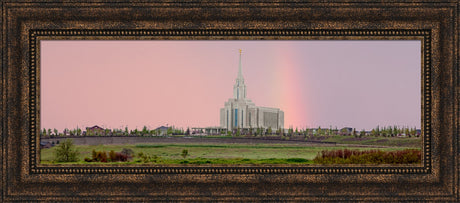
[[240, 113]]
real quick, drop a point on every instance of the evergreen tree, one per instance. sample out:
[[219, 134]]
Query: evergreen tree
[[145, 131], [362, 133], [269, 131], [169, 131], [373, 132]]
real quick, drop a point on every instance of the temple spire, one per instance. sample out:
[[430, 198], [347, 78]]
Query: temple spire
[[239, 89], [240, 74]]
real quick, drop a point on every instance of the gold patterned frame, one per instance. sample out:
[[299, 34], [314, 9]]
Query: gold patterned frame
[[25, 23]]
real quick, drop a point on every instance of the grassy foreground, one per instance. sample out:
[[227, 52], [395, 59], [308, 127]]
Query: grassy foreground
[[208, 153]]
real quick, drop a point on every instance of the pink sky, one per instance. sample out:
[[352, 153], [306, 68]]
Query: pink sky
[[115, 84]]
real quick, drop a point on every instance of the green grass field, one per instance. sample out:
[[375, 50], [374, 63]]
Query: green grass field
[[207, 153]]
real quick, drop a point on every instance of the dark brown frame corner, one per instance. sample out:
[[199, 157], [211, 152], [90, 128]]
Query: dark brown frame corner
[[25, 23]]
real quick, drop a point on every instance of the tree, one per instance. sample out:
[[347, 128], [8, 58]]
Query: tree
[[362, 133], [187, 132], [66, 152], [78, 131], [66, 130], [145, 131], [107, 132], [44, 132], [126, 131], [56, 132], [413, 131], [396, 130], [320, 132], [169, 131], [290, 131], [343, 131], [383, 132], [305, 132], [269, 131], [259, 131]]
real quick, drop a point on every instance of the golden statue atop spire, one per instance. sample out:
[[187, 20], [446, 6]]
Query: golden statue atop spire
[[240, 51]]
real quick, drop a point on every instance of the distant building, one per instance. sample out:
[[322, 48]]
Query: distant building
[[346, 131], [95, 130], [163, 130], [240, 112]]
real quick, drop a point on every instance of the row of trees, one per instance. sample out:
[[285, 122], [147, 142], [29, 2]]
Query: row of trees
[[386, 131], [111, 132]]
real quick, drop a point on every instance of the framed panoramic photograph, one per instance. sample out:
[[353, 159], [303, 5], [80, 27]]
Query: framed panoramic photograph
[[105, 96], [208, 101]]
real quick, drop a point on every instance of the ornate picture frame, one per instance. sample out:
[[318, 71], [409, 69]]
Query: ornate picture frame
[[25, 23]]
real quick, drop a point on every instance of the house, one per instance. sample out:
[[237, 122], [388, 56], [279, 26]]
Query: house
[[346, 131], [95, 130], [163, 130]]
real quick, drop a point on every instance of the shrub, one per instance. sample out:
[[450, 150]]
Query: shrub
[[65, 152], [113, 156], [346, 156], [184, 153], [127, 152], [94, 154], [120, 157], [144, 157], [140, 154], [101, 156]]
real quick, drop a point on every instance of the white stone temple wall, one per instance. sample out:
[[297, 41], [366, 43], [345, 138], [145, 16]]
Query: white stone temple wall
[[248, 114]]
